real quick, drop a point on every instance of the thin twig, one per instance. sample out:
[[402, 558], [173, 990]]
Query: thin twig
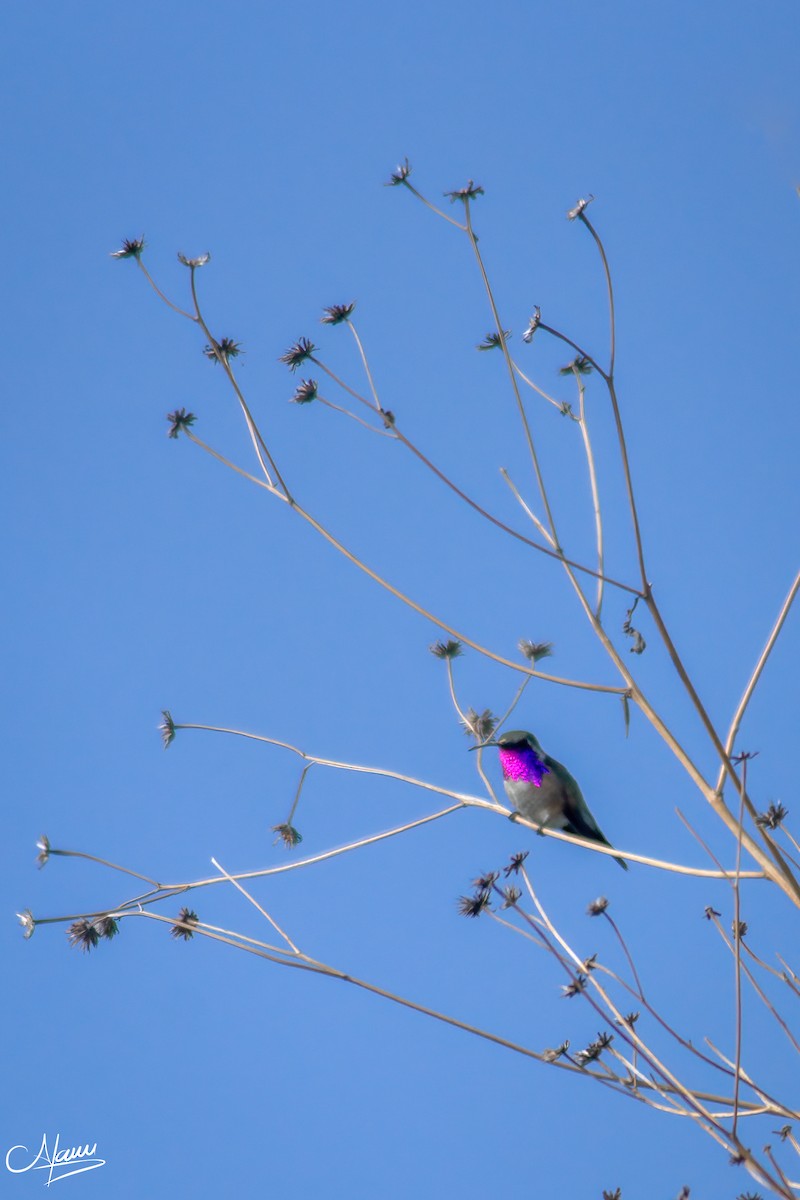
[[550, 550], [432, 207], [257, 906], [353, 416], [530, 514], [259, 445], [607, 272], [384, 583], [469, 801], [637, 993], [463, 719], [511, 372], [262, 483], [762, 995], [737, 954], [296, 800], [562, 337], [535, 387], [304, 962], [365, 364], [175, 308], [598, 516], [605, 1005], [783, 876], [517, 697], [791, 1188], [461, 637], [103, 862], [626, 952], [741, 708]]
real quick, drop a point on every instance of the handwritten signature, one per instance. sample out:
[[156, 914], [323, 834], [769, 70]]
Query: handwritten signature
[[61, 1163]]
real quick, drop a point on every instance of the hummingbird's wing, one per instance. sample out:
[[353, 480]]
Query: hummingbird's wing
[[579, 819]]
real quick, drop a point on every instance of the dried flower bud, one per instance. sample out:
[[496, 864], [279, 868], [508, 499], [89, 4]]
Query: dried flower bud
[[533, 325], [194, 263], [167, 728], [183, 926], [579, 208], [534, 651], [465, 194], [305, 393], [337, 313], [179, 419], [450, 649], [480, 726], [225, 350], [400, 174], [288, 835], [515, 863], [493, 341], [302, 349], [131, 248]]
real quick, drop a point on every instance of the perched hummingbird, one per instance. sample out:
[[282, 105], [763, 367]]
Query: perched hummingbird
[[543, 790]]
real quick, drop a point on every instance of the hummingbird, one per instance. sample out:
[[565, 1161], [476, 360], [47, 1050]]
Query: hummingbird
[[543, 790]]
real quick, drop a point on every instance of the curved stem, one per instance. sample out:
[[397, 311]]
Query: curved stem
[[550, 551], [511, 372], [529, 513], [607, 272], [353, 416], [432, 207], [103, 862], [517, 697], [169, 891], [282, 932], [535, 387], [384, 583], [626, 470], [598, 515], [259, 445], [365, 364], [763, 997], [790, 884], [298, 793], [605, 1006], [175, 308], [351, 391], [737, 949], [262, 483], [463, 719], [461, 637], [756, 675], [562, 337]]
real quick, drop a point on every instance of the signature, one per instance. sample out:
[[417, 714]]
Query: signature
[[61, 1163]]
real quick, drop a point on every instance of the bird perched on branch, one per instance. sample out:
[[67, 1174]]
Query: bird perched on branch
[[543, 790]]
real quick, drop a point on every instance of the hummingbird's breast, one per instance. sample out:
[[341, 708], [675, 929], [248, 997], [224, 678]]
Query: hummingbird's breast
[[532, 787], [544, 805]]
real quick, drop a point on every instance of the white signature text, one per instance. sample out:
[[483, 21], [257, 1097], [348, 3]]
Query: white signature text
[[61, 1163]]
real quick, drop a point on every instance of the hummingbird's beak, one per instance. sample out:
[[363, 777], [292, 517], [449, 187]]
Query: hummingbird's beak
[[483, 745]]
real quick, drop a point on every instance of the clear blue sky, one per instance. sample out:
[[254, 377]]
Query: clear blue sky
[[142, 575]]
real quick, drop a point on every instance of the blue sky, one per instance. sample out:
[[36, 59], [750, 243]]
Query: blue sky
[[142, 575]]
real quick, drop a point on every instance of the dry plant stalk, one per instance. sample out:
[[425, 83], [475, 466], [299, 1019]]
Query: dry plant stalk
[[645, 1058]]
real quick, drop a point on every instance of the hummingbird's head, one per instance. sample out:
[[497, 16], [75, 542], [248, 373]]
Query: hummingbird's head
[[515, 739], [521, 757]]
